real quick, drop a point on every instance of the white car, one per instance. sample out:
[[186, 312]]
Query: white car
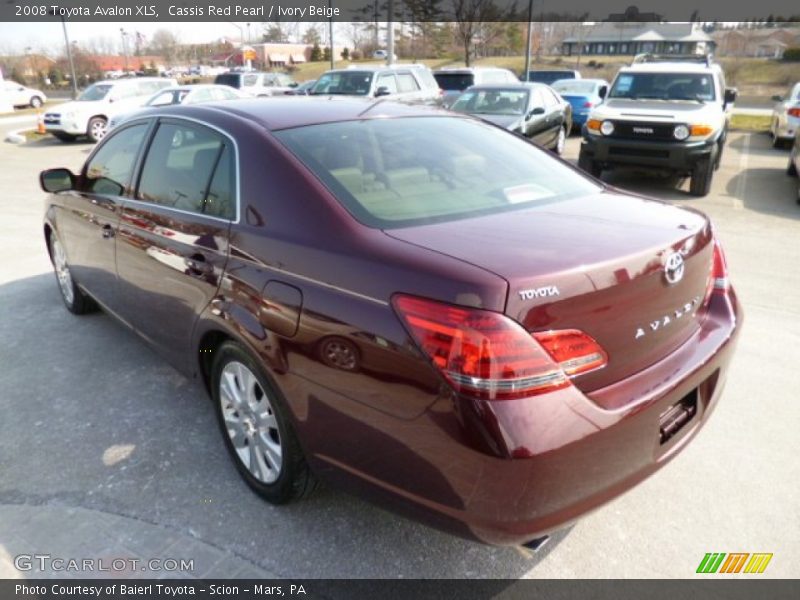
[[664, 113], [20, 95], [90, 113], [383, 55], [182, 94], [786, 117]]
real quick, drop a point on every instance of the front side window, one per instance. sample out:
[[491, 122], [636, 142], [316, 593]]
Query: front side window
[[95, 92], [249, 80], [189, 168], [664, 86], [492, 102], [350, 83], [109, 171], [410, 171], [387, 81]]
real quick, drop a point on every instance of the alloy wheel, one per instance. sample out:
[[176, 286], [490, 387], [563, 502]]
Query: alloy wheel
[[250, 422], [62, 272], [98, 130], [340, 354]]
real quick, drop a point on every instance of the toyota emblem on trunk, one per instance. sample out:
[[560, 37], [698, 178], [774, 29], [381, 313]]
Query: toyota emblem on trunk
[[673, 268]]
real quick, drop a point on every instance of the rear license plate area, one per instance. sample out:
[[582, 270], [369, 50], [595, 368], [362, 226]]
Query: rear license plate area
[[677, 416]]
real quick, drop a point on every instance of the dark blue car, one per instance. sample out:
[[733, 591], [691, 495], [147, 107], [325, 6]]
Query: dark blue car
[[583, 95]]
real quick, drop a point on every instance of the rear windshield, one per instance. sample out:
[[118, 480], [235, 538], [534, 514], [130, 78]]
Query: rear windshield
[[230, 79], [348, 83], [454, 82], [663, 86], [549, 76], [574, 86], [402, 172]]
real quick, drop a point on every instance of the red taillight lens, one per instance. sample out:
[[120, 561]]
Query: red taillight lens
[[574, 351], [587, 104], [487, 355], [794, 112]]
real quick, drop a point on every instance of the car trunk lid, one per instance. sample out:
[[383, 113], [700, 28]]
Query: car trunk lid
[[596, 264]]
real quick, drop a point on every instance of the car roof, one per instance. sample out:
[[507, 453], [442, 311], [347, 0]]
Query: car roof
[[374, 68], [467, 69], [522, 85], [297, 111], [670, 67]]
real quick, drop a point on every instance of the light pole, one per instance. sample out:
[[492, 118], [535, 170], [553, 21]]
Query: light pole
[[330, 32], [390, 35], [124, 35], [241, 48], [69, 56], [528, 45]]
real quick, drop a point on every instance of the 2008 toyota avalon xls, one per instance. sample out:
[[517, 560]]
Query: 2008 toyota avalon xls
[[416, 305]]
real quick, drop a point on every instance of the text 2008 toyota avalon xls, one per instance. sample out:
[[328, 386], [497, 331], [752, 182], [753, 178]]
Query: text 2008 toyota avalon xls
[[415, 305]]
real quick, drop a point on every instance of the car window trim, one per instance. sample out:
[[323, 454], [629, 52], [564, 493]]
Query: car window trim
[[157, 120]]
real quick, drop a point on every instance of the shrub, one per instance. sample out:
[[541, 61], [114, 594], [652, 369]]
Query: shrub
[[792, 54]]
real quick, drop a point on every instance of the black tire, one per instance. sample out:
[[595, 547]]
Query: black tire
[[36, 102], [295, 479], [791, 170], [64, 137], [586, 163], [76, 301], [97, 128], [702, 174], [718, 161]]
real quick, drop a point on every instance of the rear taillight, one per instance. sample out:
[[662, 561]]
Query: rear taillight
[[719, 272], [486, 355], [718, 278], [587, 104], [794, 112], [574, 351]]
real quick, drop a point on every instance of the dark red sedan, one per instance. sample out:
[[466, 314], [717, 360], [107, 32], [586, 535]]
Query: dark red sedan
[[416, 305]]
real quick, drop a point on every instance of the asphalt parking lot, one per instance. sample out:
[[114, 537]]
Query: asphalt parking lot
[[97, 425]]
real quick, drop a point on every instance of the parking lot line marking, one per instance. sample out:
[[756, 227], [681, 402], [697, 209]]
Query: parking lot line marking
[[740, 186]]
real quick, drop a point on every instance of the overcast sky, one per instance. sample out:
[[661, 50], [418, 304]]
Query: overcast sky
[[49, 38]]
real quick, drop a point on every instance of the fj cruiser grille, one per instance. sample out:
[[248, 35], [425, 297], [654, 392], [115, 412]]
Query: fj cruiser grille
[[633, 130]]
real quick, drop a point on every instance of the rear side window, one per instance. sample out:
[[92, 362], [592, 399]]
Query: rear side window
[[454, 82], [249, 80], [407, 83], [409, 171], [189, 168], [109, 171]]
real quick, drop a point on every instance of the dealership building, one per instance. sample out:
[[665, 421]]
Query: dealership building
[[631, 38]]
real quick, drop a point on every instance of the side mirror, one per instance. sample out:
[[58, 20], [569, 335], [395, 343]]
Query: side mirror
[[777, 98], [730, 95], [57, 180], [293, 84], [603, 92], [382, 91]]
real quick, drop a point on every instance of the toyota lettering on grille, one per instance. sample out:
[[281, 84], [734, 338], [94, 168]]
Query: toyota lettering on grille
[[647, 130]]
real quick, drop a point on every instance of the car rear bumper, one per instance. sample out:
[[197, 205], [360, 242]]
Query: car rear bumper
[[544, 462], [788, 129], [677, 156]]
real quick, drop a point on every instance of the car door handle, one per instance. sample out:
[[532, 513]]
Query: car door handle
[[108, 231]]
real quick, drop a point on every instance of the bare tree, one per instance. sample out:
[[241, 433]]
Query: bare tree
[[479, 19], [165, 44]]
